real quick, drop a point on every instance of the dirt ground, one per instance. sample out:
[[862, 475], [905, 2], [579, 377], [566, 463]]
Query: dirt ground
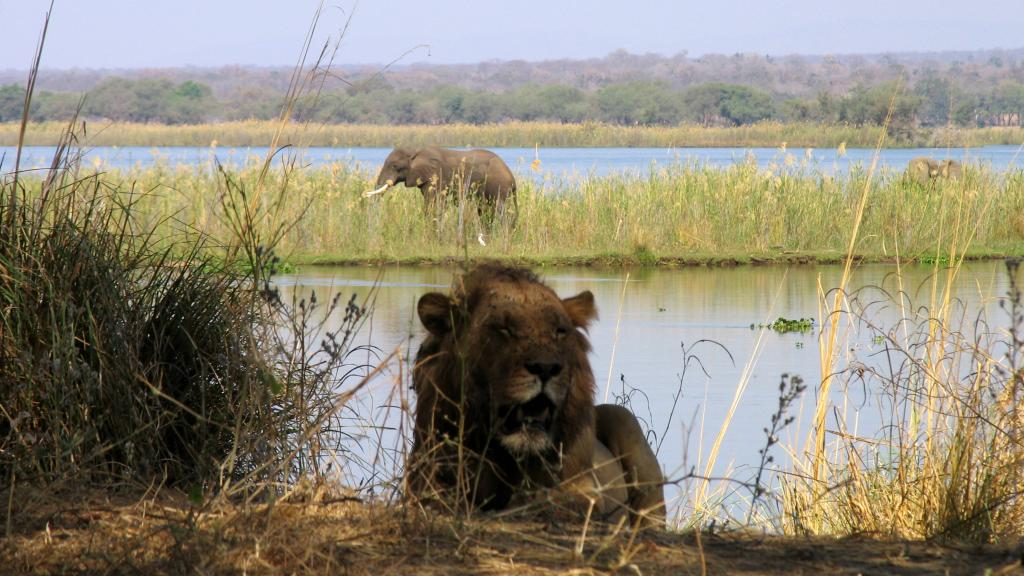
[[132, 533]]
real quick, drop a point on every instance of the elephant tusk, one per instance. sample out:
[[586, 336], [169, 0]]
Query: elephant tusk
[[380, 190]]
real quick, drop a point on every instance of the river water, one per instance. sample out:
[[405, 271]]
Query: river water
[[553, 161], [683, 339]]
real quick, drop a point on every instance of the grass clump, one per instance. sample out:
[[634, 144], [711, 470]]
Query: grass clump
[[131, 355], [138, 350], [120, 357], [946, 463]]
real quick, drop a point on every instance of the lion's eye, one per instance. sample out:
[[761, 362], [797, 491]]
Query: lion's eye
[[505, 329], [561, 331]]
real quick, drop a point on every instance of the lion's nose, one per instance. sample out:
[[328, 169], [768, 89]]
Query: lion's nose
[[544, 370]]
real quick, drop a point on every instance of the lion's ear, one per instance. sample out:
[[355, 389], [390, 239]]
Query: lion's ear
[[436, 311], [581, 308]]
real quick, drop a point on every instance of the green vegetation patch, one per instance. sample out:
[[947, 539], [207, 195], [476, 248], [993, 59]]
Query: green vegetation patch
[[680, 214], [786, 325]]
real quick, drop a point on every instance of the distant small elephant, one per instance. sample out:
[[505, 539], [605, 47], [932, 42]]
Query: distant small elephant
[[950, 169], [924, 170], [439, 172]]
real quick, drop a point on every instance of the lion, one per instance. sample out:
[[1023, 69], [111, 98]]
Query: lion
[[505, 404]]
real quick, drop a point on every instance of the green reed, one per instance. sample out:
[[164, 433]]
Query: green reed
[[675, 213]]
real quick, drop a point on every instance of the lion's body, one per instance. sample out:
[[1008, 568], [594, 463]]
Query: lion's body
[[505, 402]]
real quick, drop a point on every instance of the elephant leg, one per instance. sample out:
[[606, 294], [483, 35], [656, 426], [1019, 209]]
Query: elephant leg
[[431, 203], [492, 203], [501, 204], [428, 199], [485, 209], [510, 207]]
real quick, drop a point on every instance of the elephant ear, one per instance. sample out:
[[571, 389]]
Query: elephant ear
[[422, 167]]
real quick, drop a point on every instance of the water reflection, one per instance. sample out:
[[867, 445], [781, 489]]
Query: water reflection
[[664, 315]]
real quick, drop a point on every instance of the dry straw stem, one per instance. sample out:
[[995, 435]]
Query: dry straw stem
[[26, 108], [302, 82], [615, 340], [828, 351]]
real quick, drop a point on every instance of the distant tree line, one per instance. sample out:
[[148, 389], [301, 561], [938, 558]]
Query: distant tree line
[[145, 100], [800, 76], [932, 100]]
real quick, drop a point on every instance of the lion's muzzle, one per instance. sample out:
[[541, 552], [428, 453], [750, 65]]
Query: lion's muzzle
[[526, 428], [537, 414]]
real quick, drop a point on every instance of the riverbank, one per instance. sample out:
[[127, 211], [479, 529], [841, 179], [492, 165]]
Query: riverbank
[[508, 134], [618, 261], [95, 531], [676, 215]]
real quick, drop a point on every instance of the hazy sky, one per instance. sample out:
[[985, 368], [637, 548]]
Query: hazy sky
[[141, 33]]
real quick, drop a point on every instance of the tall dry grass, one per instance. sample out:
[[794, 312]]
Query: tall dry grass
[[946, 463], [137, 349], [507, 134], [129, 355]]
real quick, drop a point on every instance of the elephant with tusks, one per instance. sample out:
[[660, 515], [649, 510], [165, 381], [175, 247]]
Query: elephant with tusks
[[440, 173]]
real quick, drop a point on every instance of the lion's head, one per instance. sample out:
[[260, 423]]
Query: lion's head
[[502, 375]]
